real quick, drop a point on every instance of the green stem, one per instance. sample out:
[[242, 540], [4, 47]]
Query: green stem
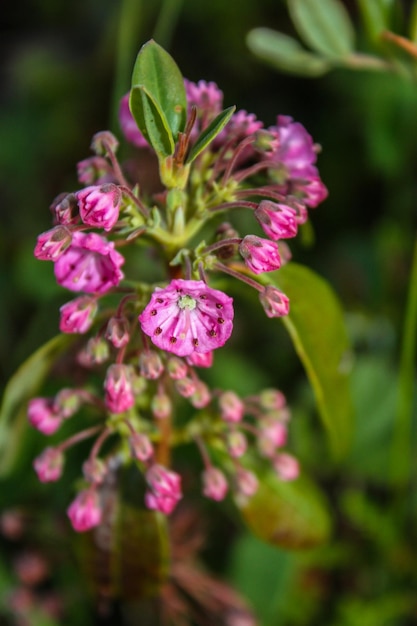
[[167, 19], [401, 449]]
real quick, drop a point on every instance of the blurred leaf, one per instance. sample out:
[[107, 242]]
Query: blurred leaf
[[158, 101], [285, 53], [375, 16], [292, 515], [22, 386], [212, 130], [318, 331], [324, 25], [413, 23]]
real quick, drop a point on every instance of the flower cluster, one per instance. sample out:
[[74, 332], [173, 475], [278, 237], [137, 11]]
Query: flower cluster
[[146, 338]]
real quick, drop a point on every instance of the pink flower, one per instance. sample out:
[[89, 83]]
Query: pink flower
[[90, 264], [312, 189], [207, 97], [236, 443], [165, 489], [128, 124], [77, 315], [199, 359], [215, 485], [286, 466], [118, 387], [274, 302], [260, 255], [232, 409], [48, 465], [201, 396], [100, 206], [141, 446], [150, 364], [277, 220], [188, 316], [52, 243], [42, 414], [246, 482], [273, 434], [94, 171], [117, 331], [176, 368], [65, 209], [85, 511]]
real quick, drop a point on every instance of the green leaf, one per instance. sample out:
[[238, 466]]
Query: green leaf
[[285, 53], [413, 23], [22, 386], [210, 133], [319, 335], [374, 16], [324, 25], [292, 515], [158, 100]]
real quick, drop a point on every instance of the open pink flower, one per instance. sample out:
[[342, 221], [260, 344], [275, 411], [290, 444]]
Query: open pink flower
[[90, 264], [100, 205], [188, 316], [260, 255]]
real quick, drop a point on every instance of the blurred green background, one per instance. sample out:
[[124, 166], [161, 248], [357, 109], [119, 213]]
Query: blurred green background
[[64, 67]]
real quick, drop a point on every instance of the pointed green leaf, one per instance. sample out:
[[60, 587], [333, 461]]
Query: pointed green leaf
[[292, 515], [22, 386], [158, 98], [324, 25], [285, 53], [151, 122], [374, 16], [210, 133], [319, 335]]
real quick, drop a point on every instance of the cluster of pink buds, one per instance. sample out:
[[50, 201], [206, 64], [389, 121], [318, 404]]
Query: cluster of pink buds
[[147, 330]]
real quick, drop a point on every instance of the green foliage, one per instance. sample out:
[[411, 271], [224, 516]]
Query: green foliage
[[318, 331], [157, 99], [292, 515], [212, 130]]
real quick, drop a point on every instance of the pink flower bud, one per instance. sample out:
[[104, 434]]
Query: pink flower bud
[[94, 470], [176, 368], [286, 466], [272, 399], [129, 126], [273, 434], [277, 220], [232, 409], [95, 352], [260, 255], [246, 482], [103, 141], [65, 209], [49, 464], [188, 316], [215, 485], [90, 264], [141, 446], [117, 331], [165, 489], [52, 243], [42, 415], [274, 302], [186, 387], [100, 206], [236, 443], [150, 364], [198, 359], [77, 315], [94, 170], [85, 511], [67, 402], [201, 396], [118, 387], [161, 406]]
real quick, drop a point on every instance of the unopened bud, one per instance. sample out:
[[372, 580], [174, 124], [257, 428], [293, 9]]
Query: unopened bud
[[104, 141], [94, 471], [49, 464], [231, 406], [161, 406], [186, 387], [150, 364], [286, 466], [201, 396], [215, 485], [117, 331], [67, 402], [52, 243], [141, 446], [176, 368], [65, 209], [236, 443], [274, 302]]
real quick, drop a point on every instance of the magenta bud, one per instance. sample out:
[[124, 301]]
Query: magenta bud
[[150, 364], [100, 205], [198, 359], [78, 315], [161, 406], [52, 243], [165, 489], [65, 209], [278, 220], [201, 396], [104, 141], [49, 465], [94, 171], [232, 409], [176, 368], [286, 466], [119, 395], [274, 302], [117, 331], [186, 387], [260, 255], [246, 482], [141, 446], [215, 485], [67, 402], [85, 511], [236, 443], [94, 471], [43, 415]]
